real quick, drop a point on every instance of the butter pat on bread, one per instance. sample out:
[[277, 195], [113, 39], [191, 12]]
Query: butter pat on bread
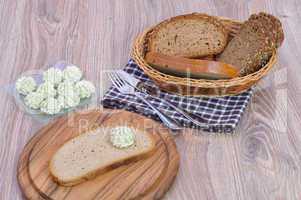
[[92, 153]]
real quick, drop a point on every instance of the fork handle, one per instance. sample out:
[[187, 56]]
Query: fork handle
[[166, 120], [202, 125]]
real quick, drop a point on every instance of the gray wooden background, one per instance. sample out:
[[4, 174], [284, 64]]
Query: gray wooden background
[[261, 161]]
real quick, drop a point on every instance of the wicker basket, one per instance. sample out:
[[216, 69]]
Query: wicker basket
[[199, 87]]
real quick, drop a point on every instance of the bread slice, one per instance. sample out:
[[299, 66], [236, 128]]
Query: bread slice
[[192, 36], [270, 26], [92, 153], [252, 47]]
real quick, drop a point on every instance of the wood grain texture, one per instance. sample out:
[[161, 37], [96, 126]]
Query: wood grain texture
[[262, 161], [147, 178]]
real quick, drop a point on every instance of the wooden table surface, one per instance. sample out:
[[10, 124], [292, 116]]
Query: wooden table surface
[[261, 161]]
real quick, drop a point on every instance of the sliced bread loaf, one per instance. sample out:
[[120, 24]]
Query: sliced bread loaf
[[193, 68], [252, 47], [193, 35], [92, 153]]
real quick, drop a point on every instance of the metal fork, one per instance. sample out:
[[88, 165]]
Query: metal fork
[[134, 82], [125, 88]]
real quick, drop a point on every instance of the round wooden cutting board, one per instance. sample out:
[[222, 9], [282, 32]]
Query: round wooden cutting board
[[148, 178]]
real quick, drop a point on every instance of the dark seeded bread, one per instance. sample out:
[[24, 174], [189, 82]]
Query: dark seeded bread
[[270, 26], [193, 35], [252, 47]]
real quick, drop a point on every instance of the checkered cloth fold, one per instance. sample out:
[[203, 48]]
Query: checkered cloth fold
[[221, 114]]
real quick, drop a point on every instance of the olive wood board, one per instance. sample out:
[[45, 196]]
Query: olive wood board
[[148, 178]]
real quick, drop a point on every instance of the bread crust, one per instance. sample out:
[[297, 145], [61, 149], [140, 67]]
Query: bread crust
[[194, 68], [198, 16], [103, 170]]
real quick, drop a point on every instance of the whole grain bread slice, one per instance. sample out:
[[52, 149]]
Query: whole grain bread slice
[[91, 154], [192, 36], [252, 47], [270, 26]]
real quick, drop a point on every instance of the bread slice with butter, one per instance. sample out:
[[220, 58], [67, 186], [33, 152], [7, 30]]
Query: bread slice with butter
[[96, 152]]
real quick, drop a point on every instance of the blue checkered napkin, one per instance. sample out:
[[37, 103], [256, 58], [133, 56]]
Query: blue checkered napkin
[[222, 114]]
